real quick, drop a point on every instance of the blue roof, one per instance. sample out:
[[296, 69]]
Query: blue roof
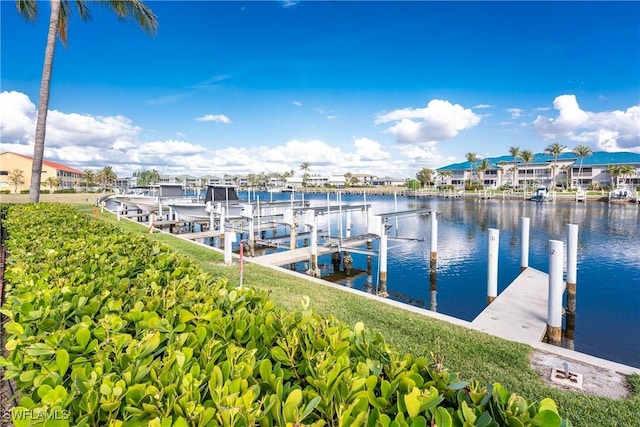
[[597, 158]]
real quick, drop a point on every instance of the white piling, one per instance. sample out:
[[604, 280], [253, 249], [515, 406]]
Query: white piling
[[222, 220], [119, 212], [572, 274], [433, 258], [524, 243], [395, 202], [339, 199], [554, 308], [229, 239], [348, 224], [328, 215], [383, 262], [492, 270]]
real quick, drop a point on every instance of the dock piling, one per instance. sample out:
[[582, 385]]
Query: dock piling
[[492, 270], [433, 257], [572, 273], [554, 308], [524, 243]]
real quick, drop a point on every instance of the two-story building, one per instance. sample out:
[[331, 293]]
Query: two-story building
[[65, 177], [567, 170]]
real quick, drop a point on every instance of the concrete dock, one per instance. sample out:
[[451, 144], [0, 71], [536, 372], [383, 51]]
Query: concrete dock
[[519, 313]]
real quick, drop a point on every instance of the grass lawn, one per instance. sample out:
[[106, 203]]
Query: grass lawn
[[474, 354]]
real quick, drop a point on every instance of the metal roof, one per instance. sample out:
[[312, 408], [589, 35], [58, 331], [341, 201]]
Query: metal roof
[[597, 158]]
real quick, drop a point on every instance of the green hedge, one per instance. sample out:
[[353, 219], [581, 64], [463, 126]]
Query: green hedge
[[107, 328]]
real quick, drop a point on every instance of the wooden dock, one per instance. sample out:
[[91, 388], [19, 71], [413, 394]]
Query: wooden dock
[[304, 254], [200, 235], [519, 313]]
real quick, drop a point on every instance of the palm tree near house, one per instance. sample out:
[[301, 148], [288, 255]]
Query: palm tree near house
[[501, 165], [515, 153], [527, 157], [304, 167], [554, 150], [472, 158], [60, 10], [424, 176], [52, 181], [89, 178], [581, 151], [483, 166], [16, 178], [443, 175], [614, 172], [626, 171], [107, 177]]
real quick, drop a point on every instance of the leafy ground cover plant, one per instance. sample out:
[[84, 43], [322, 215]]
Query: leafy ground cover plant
[[106, 328]]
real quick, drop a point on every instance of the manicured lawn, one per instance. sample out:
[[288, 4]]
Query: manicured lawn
[[475, 355]]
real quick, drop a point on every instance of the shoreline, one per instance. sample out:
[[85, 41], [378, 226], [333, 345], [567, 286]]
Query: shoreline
[[91, 198]]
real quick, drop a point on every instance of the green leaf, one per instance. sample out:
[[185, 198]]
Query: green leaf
[[548, 418], [412, 402], [62, 361], [83, 335], [309, 408], [14, 328], [186, 315], [280, 355]]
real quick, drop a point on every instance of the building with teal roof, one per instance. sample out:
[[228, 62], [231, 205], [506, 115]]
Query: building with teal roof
[[598, 170]]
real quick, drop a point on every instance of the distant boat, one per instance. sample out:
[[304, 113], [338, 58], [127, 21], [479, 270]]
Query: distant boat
[[541, 194], [217, 196], [155, 197]]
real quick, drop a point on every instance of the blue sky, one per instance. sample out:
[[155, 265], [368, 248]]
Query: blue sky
[[363, 87]]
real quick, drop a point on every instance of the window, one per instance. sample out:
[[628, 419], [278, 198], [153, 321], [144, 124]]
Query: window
[[4, 172]]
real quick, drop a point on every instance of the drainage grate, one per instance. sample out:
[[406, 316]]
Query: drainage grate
[[566, 377]]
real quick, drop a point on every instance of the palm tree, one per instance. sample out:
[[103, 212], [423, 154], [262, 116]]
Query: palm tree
[[472, 158], [614, 172], [515, 153], [424, 176], [443, 175], [107, 177], [482, 168], [16, 178], [89, 178], [52, 181], [58, 19], [581, 151], [527, 157], [304, 167], [555, 150], [626, 171]]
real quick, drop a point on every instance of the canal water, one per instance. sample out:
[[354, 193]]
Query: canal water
[[607, 322]]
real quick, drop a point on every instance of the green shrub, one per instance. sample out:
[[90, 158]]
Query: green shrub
[[24, 191], [112, 329], [5, 191], [64, 191]]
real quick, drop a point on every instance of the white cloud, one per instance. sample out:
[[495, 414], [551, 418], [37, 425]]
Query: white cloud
[[369, 149], [481, 106], [297, 103], [220, 118], [603, 131], [515, 112], [92, 142], [331, 117], [17, 118], [440, 120]]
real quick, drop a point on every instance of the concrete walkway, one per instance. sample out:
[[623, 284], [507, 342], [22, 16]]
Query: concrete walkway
[[519, 313]]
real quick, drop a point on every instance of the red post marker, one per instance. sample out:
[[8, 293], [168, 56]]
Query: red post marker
[[241, 261]]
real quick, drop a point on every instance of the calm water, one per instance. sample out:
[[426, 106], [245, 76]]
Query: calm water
[[608, 281]]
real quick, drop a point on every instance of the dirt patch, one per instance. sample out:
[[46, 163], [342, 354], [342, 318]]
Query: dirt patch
[[596, 381], [72, 198]]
